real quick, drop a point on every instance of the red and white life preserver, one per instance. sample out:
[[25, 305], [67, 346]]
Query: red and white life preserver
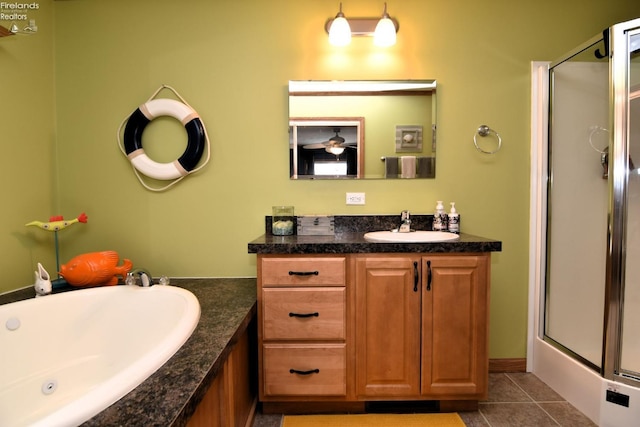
[[140, 118]]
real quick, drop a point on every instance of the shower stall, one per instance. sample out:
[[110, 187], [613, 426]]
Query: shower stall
[[585, 228]]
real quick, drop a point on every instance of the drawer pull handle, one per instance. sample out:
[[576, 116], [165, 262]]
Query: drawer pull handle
[[416, 276], [429, 278], [313, 371], [316, 314], [303, 273]]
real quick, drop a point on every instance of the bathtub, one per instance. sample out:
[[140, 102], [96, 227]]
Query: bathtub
[[66, 357]]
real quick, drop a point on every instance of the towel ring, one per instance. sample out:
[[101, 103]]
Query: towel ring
[[483, 131]]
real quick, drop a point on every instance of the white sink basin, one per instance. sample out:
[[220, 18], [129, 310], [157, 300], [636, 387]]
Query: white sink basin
[[412, 237]]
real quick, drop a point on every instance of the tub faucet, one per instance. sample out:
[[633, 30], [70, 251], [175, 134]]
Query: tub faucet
[[405, 222], [144, 275]]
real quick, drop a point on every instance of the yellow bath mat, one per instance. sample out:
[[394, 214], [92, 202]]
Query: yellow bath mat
[[374, 420]]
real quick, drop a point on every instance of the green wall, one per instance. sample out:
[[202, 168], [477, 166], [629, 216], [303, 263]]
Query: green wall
[[231, 60], [27, 140]]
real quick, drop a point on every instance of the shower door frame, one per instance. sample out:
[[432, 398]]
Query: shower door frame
[[548, 208], [615, 40], [619, 91], [554, 366]]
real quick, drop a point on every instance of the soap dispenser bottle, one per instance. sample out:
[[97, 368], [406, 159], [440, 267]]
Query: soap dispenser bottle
[[439, 218], [454, 219]]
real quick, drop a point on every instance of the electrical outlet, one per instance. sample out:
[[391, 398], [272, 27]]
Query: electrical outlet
[[355, 198]]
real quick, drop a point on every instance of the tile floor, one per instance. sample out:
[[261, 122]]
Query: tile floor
[[515, 400]]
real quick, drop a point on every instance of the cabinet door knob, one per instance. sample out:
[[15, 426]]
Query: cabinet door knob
[[428, 275], [316, 314], [416, 276], [313, 371]]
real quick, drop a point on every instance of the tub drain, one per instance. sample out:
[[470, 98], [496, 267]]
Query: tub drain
[[49, 386]]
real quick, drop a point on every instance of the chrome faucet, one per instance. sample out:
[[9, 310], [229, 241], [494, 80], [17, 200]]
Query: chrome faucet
[[405, 222], [145, 278], [144, 275]]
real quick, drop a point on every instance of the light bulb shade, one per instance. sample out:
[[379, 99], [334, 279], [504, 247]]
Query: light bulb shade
[[340, 32], [385, 34], [335, 150]]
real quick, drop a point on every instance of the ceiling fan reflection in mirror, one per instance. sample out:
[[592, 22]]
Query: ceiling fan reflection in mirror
[[335, 145]]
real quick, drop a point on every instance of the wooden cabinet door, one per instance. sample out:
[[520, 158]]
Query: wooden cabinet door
[[455, 297], [387, 325]]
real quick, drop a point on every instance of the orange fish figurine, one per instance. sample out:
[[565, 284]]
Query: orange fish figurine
[[95, 269]]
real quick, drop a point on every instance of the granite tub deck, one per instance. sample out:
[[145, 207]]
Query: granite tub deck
[[349, 238], [170, 396]]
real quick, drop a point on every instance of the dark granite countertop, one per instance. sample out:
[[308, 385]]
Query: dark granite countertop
[[344, 243], [170, 395], [349, 238]]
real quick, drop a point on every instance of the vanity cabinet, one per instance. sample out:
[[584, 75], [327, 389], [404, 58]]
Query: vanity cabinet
[[422, 326], [302, 327], [360, 327]]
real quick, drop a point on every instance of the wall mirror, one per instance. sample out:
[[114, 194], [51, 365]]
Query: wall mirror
[[362, 129]]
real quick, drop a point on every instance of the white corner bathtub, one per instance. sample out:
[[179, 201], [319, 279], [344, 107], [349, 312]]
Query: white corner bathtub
[[66, 357]]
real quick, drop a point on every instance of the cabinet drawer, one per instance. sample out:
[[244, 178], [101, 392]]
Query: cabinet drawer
[[303, 271], [303, 313], [304, 370]]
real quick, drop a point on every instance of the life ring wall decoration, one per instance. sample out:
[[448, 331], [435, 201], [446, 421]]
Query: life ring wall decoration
[[131, 145], [139, 120]]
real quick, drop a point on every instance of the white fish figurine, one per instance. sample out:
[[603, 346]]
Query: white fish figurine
[[43, 281]]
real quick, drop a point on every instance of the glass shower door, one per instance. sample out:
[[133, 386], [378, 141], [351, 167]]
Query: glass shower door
[[578, 203]]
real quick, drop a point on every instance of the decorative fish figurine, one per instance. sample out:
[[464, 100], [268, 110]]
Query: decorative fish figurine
[[57, 223], [95, 269]]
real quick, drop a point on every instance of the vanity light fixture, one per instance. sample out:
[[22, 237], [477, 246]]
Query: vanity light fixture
[[385, 34], [339, 31], [383, 30]]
